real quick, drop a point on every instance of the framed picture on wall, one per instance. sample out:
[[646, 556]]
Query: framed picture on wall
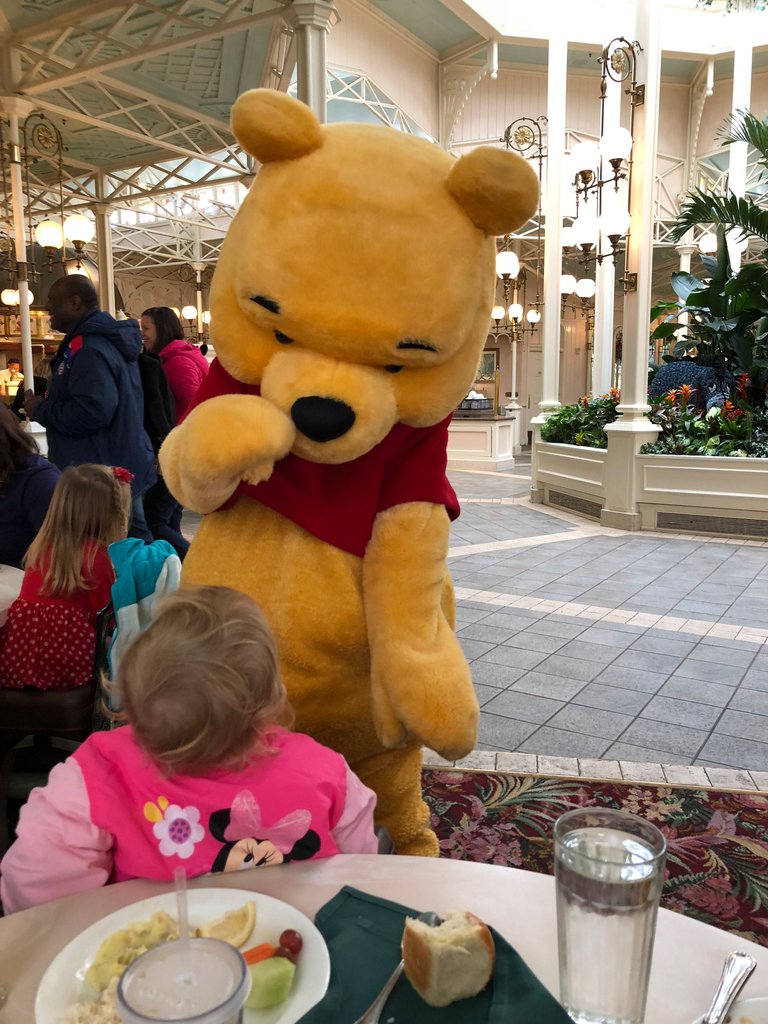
[[489, 361], [13, 329]]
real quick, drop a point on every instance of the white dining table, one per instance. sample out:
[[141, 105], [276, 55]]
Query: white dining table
[[10, 586], [687, 956]]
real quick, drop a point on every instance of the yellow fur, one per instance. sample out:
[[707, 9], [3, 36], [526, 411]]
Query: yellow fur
[[363, 237]]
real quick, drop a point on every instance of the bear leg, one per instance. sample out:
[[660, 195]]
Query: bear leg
[[395, 776]]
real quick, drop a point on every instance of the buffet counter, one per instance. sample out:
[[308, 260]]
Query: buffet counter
[[481, 442]]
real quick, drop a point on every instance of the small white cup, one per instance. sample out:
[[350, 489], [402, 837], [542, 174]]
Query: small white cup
[[204, 981]]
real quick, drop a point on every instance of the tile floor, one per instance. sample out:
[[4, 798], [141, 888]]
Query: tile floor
[[610, 653], [607, 653]]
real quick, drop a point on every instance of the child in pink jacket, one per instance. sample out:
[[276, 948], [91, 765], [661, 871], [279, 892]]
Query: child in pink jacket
[[204, 776]]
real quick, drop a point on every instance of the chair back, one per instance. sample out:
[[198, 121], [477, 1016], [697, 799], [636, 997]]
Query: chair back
[[50, 715]]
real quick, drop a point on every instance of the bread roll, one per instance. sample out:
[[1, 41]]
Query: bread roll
[[450, 962]]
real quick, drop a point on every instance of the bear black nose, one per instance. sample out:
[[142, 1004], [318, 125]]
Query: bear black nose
[[322, 419]]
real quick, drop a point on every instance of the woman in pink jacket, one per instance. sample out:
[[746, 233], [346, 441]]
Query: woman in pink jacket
[[185, 368], [184, 364]]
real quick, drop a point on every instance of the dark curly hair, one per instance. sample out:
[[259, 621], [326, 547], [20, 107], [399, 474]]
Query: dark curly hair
[[167, 325]]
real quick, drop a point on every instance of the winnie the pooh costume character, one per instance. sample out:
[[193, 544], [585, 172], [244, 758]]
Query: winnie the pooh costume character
[[349, 308]]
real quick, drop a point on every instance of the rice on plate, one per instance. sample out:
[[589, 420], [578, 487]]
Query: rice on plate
[[100, 1011]]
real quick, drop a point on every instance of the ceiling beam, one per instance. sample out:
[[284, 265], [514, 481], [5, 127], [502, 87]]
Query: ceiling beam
[[128, 133], [43, 28], [119, 194], [142, 93], [458, 53], [133, 55], [464, 12]]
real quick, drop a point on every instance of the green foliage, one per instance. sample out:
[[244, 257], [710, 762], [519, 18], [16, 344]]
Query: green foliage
[[738, 429], [729, 210], [742, 126], [582, 423], [726, 315], [733, 211]]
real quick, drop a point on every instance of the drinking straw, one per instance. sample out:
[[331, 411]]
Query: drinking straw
[[180, 881]]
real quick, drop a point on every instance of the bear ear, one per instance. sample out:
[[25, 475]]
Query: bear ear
[[498, 190], [272, 126]]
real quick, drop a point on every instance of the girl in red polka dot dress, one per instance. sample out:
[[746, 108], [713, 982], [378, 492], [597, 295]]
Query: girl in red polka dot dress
[[49, 639]]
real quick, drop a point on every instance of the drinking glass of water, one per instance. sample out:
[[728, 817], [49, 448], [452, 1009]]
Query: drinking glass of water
[[609, 868]]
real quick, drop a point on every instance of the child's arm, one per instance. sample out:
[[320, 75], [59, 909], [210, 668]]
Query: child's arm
[[59, 851], [354, 832]]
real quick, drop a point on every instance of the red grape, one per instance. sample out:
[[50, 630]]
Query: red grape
[[291, 941], [287, 953]]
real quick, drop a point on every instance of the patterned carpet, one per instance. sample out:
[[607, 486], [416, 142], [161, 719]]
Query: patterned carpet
[[717, 860]]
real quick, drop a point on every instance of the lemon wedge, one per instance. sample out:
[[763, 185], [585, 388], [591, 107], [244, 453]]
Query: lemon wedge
[[234, 927]]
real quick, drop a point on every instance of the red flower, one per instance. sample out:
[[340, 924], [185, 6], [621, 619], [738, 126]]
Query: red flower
[[615, 394], [123, 475], [742, 382]]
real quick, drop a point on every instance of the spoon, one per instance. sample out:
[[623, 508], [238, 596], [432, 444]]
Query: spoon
[[373, 1013], [736, 970]]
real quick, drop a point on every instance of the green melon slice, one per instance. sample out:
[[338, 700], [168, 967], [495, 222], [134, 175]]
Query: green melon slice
[[271, 982]]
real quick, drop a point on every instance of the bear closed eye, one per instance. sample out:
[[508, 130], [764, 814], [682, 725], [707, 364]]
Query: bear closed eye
[[270, 304]]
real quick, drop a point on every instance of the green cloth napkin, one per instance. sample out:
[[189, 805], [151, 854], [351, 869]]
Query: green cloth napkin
[[363, 935]]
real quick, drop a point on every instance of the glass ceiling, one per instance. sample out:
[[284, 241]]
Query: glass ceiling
[[686, 27]]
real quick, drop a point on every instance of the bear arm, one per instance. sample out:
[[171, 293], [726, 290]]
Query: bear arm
[[421, 685], [221, 442]]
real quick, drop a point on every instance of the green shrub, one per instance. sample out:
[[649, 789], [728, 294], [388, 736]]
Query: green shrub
[[582, 423], [739, 429]]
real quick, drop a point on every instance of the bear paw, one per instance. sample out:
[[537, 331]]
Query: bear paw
[[221, 442]]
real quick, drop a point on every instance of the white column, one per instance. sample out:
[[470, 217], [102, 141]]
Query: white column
[[605, 276], [513, 406], [198, 269], [740, 99], [101, 212], [557, 71], [312, 21], [16, 109], [685, 250], [633, 428], [513, 346]]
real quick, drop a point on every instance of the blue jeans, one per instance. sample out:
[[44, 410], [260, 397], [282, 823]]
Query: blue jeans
[[138, 526], [164, 517]]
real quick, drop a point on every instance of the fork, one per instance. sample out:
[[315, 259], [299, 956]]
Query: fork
[[373, 1014]]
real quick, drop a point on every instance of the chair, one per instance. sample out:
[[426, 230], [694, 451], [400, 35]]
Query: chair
[[384, 841], [46, 716]]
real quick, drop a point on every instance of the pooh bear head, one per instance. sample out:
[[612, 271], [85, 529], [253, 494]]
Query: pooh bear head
[[356, 281]]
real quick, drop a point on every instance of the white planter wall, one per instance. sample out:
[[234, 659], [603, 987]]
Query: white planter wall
[[704, 494], [683, 493]]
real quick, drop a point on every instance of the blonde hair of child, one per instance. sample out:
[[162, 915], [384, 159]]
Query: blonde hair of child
[[201, 686], [89, 503]]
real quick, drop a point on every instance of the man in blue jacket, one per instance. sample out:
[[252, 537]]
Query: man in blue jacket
[[94, 408]]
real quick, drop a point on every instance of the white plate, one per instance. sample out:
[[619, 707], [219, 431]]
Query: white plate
[[746, 1011], [62, 983]]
